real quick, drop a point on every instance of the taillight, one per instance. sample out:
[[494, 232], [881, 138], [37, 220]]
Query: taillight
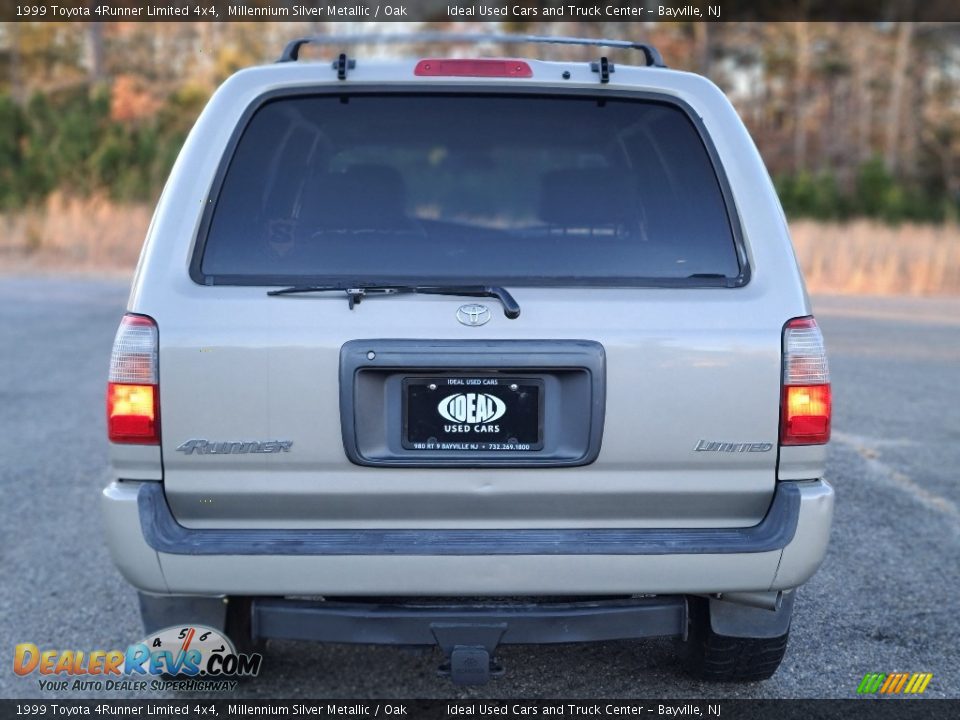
[[440, 67], [133, 398], [805, 411]]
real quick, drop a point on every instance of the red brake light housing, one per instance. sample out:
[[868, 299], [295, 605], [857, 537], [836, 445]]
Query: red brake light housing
[[133, 393], [454, 67], [805, 410]]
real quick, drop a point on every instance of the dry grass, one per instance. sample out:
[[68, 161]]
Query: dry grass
[[865, 257], [73, 234], [96, 235]]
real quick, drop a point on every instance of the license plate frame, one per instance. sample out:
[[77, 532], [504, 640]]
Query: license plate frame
[[475, 422]]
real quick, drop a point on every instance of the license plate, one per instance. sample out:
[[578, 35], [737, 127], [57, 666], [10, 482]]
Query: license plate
[[473, 414]]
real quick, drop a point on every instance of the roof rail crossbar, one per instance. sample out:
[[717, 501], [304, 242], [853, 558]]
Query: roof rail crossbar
[[291, 52]]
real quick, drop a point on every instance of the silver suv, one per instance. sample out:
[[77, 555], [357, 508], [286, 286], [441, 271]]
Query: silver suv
[[468, 352]]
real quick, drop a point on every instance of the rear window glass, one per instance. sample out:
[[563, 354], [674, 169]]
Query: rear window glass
[[469, 189]]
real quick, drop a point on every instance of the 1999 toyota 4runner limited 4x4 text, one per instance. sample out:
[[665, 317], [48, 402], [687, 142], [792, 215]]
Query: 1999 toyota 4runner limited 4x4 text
[[469, 352]]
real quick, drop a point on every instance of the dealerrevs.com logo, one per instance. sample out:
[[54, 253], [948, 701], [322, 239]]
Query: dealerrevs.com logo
[[183, 657]]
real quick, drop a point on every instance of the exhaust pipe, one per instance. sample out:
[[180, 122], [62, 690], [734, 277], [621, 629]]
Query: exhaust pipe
[[763, 600]]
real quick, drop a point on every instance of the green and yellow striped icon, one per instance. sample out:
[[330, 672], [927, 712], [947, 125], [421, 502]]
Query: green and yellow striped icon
[[894, 683]]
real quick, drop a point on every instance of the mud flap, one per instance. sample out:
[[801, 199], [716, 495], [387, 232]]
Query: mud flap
[[738, 620], [162, 611]]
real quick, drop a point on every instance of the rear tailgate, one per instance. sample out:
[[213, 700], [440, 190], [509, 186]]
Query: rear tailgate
[[686, 371]]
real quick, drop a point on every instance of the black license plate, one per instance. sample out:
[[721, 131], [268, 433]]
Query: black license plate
[[473, 414]]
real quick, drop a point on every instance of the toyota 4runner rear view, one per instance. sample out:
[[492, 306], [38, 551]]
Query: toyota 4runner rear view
[[470, 352]]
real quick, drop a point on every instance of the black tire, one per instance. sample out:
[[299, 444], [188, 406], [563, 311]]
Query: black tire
[[721, 658]]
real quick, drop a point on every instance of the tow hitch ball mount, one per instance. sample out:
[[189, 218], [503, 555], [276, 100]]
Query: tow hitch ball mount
[[469, 651]]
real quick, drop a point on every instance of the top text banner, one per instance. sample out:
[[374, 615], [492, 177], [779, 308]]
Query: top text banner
[[518, 11]]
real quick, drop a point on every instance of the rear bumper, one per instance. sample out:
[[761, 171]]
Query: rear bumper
[[412, 623], [158, 555]]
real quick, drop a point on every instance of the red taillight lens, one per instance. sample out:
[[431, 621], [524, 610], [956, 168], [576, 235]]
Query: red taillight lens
[[133, 398], [806, 415], [805, 412], [438, 67], [132, 413]]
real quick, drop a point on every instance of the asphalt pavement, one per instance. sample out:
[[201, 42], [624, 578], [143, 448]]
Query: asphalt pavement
[[885, 600]]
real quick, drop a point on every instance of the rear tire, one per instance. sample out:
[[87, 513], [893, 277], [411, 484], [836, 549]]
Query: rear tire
[[722, 658]]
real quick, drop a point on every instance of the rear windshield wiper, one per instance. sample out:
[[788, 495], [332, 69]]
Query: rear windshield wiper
[[356, 293]]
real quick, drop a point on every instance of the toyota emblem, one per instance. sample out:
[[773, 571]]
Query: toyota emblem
[[473, 314]]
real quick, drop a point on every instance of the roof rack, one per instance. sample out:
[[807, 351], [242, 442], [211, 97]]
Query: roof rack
[[291, 52]]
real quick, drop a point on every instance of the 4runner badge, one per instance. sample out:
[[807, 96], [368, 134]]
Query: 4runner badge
[[206, 447], [473, 314], [732, 447]]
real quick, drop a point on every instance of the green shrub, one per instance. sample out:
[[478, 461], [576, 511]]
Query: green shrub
[[68, 142], [875, 194]]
